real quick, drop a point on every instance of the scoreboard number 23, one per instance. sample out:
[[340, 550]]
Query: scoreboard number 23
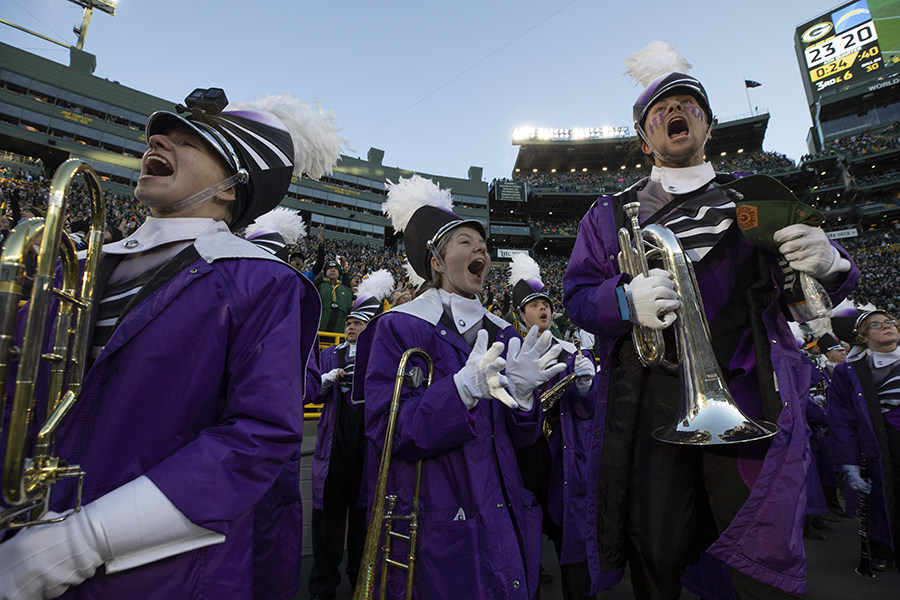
[[840, 45]]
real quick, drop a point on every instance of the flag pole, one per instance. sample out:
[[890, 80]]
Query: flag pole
[[747, 89]]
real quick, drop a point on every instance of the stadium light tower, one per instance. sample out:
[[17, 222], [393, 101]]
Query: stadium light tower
[[107, 6]]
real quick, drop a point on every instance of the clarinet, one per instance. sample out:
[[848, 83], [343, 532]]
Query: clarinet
[[864, 567]]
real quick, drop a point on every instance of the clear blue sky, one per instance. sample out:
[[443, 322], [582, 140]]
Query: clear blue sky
[[439, 86]]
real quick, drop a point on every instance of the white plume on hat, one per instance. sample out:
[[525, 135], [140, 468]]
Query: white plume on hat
[[523, 267], [317, 146], [653, 61], [414, 278], [407, 196], [284, 221], [377, 283]]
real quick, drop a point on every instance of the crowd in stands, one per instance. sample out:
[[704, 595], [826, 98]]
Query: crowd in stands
[[564, 227], [868, 142], [877, 256], [769, 163], [613, 181]]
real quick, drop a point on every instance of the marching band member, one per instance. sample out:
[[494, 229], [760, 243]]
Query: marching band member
[[479, 528], [864, 418], [190, 418], [554, 468], [660, 505], [339, 501]]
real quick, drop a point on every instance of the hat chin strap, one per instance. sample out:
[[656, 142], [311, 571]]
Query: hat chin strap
[[240, 177], [672, 160]]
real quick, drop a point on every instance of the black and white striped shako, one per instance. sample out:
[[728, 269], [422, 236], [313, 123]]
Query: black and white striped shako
[[273, 139]]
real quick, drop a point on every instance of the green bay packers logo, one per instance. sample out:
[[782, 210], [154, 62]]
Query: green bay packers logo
[[816, 32], [747, 217]]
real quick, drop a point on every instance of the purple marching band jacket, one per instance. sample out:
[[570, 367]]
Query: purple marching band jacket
[[325, 432], [198, 390], [852, 434], [765, 539], [480, 529], [570, 447]]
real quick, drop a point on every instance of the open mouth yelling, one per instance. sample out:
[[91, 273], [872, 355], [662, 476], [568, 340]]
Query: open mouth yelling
[[157, 166], [477, 266], [677, 128]]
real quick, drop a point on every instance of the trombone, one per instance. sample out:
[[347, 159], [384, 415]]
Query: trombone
[[381, 518], [27, 481]]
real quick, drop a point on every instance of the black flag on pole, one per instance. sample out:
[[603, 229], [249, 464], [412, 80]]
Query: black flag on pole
[[751, 84]]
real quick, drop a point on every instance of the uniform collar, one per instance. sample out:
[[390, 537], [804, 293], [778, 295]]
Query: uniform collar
[[159, 232], [884, 359], [464, 311], [683, 180]]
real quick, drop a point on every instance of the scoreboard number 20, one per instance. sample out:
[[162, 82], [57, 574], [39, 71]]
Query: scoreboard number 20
[[841, 45]]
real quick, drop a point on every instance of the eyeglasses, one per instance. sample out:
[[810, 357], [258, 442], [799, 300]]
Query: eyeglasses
[[881, 324]]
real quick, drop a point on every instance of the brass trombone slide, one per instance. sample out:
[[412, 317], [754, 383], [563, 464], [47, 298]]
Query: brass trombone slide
[[381, 519], [27, 481]]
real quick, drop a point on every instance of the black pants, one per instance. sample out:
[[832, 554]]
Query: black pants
[[680, 499], [340, 514], [893, 436]]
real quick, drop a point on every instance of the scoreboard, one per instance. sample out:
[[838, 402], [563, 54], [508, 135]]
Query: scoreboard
[[843, 47]]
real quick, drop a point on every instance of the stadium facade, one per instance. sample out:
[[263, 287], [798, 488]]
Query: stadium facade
[[50, 112]]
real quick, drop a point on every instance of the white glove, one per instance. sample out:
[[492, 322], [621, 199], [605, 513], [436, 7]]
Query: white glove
[[651, 297], [331, 376], [584, 374], [43, 561], [481, 377], [531, 364], [855, 480], [808, 250], [133, 525]]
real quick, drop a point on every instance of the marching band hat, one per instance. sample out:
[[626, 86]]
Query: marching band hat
[[424, 213], [828, 342], [276, 230], [662, 70], [370, 297], [525, 281], [271, 139], [843, 323]]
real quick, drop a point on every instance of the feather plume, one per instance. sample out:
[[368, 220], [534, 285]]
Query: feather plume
[[522, 267], [286, 222], [378, 283], [317, 146], [653, 61], [408, 195], [415, 279]]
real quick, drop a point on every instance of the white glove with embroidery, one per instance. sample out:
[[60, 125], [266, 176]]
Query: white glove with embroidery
[[584, 374], [530, 364], [481, 377], [807, 249], [855, 480], [653, 299], [331, 376]]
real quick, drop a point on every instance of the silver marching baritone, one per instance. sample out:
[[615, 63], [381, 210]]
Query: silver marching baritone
[[708, 413], [381, 521], [27, 481]]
